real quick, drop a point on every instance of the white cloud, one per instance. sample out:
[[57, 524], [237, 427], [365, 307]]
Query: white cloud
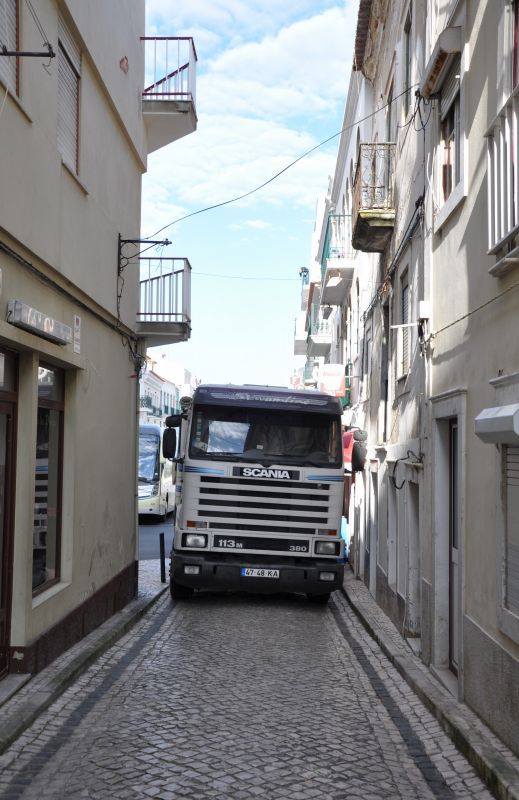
[[256, 224], [229, 157], [257, 101]]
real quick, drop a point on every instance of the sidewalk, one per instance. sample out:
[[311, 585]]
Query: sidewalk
[[24, 697], [494, 762]]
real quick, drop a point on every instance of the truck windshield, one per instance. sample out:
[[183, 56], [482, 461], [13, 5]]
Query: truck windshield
[[251, 434], [148, 458]]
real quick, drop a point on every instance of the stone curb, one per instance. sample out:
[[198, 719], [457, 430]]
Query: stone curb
[[500, 776], [61, 677]]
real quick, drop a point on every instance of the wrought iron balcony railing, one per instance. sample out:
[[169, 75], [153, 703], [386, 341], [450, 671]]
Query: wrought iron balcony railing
[[373, 197]]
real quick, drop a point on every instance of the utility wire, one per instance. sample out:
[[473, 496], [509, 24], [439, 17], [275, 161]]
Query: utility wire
[[282, 171], [474, 310], [37, 22]]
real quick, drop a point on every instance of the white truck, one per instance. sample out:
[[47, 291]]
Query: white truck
[[259, 493]]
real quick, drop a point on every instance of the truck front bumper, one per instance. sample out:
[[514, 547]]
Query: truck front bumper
[[226, 574]]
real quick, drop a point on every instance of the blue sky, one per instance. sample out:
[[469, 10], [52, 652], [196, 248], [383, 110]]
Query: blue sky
[[272, 79]]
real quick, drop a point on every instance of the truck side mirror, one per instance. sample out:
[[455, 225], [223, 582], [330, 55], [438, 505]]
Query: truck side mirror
[[169, 443], [174, 421], [358, 457]]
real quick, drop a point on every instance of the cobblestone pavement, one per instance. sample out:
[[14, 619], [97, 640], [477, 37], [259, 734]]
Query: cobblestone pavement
[[239, 697]]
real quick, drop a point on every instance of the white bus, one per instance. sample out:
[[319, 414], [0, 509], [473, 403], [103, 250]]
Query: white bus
[[260, 484], [156, 487]]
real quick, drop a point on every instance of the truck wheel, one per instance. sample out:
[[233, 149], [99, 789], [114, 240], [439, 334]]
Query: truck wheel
[[179, 592], [321, 599]]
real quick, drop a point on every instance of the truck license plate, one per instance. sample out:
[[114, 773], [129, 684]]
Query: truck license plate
[[248, 572]]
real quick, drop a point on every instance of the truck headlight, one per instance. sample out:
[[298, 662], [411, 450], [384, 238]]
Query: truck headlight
[[327, 548], [327, 576], [195, 540]]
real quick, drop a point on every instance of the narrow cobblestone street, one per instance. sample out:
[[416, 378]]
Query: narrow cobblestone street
[[239, 697]]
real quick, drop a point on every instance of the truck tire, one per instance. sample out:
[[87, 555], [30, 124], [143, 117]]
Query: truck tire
[[179, 592], [321, 599]]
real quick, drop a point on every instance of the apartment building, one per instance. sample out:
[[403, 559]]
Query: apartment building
[[427, 174], [84, 97]]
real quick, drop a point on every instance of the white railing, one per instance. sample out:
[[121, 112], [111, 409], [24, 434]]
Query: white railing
[[170, 68], [503, 175], [165, 290]]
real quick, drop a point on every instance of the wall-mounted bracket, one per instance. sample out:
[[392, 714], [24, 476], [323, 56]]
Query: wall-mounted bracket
[[49, 53], [123, 261]]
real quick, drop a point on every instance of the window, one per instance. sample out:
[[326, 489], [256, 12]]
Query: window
[[515, 44], [403, 366], [9, 39], [48, 478], [407, 63], [450, 132], [503, 169], [511, 593], [69, 73]]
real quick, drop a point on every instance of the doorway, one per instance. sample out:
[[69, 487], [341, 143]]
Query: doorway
[[454, 588], [7, 416]]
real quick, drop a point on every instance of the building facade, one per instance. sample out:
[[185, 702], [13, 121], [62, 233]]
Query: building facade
[[78, 118], [427, 171]]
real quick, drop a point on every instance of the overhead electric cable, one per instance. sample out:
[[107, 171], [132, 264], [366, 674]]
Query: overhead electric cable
[[282, 171]]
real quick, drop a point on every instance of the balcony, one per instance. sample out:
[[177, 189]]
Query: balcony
[[337, 264], [319, 335], [169, 101], [373, 197], [164, 315], [300, 336], [503, 187], [310, 373]]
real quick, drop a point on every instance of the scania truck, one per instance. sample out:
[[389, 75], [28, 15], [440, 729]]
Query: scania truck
[[259, 492]]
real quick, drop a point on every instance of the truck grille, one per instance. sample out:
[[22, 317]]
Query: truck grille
[[266, 506]]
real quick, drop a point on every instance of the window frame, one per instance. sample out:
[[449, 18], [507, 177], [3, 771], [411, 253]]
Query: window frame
[[403, 344], [455, 109], [58, 406], [407, 59], [508, 617], [69, 89]]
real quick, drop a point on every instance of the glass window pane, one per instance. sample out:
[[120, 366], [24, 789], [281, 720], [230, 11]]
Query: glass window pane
[[7, 372], [46, 523], [50, 384]]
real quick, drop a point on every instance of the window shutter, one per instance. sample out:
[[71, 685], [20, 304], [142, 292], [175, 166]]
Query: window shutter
[[69, 70], [450, 87], [405, 331], [9, 39], [512, 529]]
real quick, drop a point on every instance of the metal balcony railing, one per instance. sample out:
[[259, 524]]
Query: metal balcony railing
[[373, 197], [337, 242], [165, 299], [373, 184], [170, 68], [503, 175], [318, 325]]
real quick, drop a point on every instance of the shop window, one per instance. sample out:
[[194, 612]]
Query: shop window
[[48, 478]]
